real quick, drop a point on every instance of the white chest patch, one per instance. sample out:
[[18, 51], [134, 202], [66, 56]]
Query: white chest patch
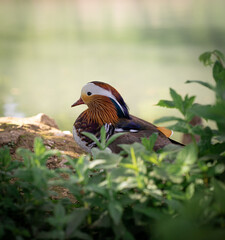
[[81, 143]]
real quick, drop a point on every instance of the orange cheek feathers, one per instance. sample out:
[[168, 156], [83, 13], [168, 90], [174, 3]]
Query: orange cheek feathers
[[87, 99]]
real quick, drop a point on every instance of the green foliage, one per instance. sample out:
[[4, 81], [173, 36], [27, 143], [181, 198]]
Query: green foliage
[[176, 193], [27, 207], [102, 144], [208, 58], [184, 106]]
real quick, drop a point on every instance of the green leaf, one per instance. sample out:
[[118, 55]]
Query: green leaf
[[190, 190], [219, 168], [188, 101], [80, 235], [138, 148], [59, 211], [166, 103], [219, 188], [105, 160], [129, 166], [219, 55], [5, 157], [71, 162], [149, 142], [96, 151], [59, 219], [133, 157], [27, 156], [219, 76], [205, 84], [177, 100], [81, 167], [77, 217], [128, 183], [103, 164], [103, 221], [103, 137], [97, 162], [205, 58], [179, 127], [115, 211], [167, 119], [176, 192], [188, 155], [47, 154], [113, 138], [183, 164], [39, 147], [218, 72], [97, 189], [128, 235], [187, 104], [215, 112], [103, 143], [93, 138], [152, 158], [54, 234], [150, 212]]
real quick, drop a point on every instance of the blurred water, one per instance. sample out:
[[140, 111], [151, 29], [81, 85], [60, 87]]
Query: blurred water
[[10, 109], [50, 49]]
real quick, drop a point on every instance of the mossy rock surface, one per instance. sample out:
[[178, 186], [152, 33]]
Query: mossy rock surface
[[20, 132]]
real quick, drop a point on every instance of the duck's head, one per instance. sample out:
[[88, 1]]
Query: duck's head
[[101, 97]]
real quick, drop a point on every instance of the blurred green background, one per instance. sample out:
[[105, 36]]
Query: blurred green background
[[49, 49]]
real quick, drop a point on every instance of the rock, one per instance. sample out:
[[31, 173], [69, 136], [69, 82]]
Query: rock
[[20, 132], [44, 119]]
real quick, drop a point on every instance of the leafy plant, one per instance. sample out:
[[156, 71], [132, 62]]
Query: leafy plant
[[102, 143], [27, 205], [138, 194]]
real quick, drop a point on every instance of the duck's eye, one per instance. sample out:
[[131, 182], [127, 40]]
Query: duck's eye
[[89, 93]]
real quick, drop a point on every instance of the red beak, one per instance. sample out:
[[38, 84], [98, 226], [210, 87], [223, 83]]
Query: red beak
[[79, 102]]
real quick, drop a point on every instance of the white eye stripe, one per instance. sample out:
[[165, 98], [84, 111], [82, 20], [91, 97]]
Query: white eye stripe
[[96, 90]]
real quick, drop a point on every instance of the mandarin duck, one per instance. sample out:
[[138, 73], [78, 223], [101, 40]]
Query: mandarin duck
[[107, 107]]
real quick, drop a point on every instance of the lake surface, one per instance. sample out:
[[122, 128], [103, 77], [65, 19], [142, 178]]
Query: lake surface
[[50, 49]]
